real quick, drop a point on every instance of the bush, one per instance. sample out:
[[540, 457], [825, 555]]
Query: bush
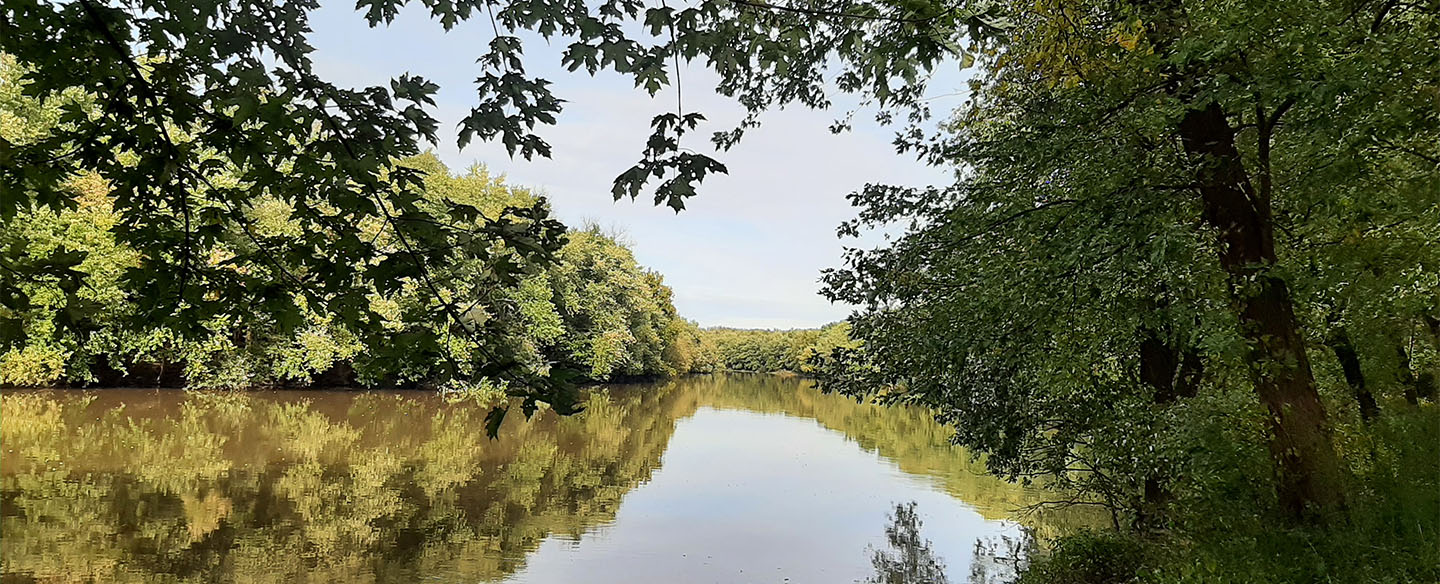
[[1089, 557], [1229, 532]]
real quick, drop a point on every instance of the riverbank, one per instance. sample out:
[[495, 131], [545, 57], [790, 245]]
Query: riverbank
[[1226, 530], [154, 377]]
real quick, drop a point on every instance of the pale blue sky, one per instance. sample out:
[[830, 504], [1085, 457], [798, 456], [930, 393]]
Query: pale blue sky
[[747, 252]]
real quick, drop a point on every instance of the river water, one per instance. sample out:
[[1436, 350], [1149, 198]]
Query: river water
[[723, 478]]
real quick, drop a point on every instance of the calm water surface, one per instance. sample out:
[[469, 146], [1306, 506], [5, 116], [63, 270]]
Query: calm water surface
[[702, 479]]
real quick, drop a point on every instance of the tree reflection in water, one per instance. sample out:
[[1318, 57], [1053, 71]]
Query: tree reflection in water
[[1000, 559], [162, 486], [910, 559]]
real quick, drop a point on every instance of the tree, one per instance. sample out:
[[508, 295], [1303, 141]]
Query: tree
[[803, 351], [194, 113], [87, 331], [1114, 145], [1232, 102], [618, 318]]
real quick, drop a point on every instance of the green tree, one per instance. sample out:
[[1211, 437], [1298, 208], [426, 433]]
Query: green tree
[[770, 351], [90, 330], [1169, 162], [196, 114], [1137, 185]]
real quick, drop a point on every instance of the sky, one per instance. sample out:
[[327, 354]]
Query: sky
[[747, 251]]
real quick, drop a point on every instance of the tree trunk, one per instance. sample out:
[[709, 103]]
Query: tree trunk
[[1307, 467], [1407, 377], [1158, 362], [1187, 382], [1350, 364], [1428, 378], [1157, 371], [1170, 374]]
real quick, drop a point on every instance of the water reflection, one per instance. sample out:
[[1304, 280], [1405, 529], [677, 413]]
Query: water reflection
[[1000, 559], [145, 486], [908, 558]]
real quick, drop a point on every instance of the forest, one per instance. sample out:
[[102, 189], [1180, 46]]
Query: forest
[[592, 310], [798, 351], [1187, 272]]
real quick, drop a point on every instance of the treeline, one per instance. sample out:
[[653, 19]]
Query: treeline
[[800, 351], [593, 311], [589, 313], [461, 280]]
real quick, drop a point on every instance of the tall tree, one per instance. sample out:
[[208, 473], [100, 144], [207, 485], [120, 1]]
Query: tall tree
[[1344, 349], [1229, 110]]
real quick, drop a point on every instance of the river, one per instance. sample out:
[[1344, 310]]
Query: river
[[721, 478]]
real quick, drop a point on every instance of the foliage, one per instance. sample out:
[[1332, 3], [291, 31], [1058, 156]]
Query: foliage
[[198, 115], [237, 295], [1088, 293], [163, 66], [1188, 256], [1089, 557], [618, 318], [769, 351], [93, 330], [1166, 218], [1387, 539]]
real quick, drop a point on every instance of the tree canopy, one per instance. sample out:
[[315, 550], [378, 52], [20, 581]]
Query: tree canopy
[[585, 309], [195, 113], [1189, 242], [1161, 210]]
